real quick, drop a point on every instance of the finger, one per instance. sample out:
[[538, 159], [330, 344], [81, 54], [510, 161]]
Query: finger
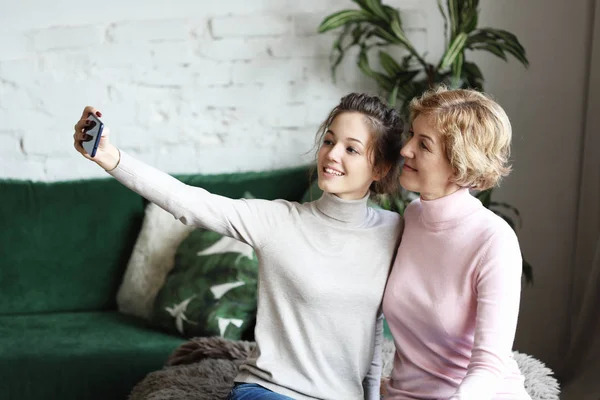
[[90, 110], [78, 146], [82, 136], [81, 124]]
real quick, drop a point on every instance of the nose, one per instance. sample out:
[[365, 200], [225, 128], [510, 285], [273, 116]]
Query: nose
[[407, 150], [335, 153]]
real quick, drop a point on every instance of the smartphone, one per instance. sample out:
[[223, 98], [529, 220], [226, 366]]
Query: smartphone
[[95, 131]]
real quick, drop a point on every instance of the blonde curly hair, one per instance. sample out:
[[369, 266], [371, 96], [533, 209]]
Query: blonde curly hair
[[475, 130]]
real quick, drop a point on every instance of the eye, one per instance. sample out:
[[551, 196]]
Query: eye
[[423, 146], [351, 150], [327, 142]]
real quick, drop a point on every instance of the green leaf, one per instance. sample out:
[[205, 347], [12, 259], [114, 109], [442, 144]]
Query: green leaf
[[393, 13], [385, 35], [470, 22], [510, 207], [492, 48], [393, 96], [338, 51], [453, 14], [340, 18], [441, 8], [472, 75], [377, 9], [406, 61], [363, 64], [457, 71], [455, 49], [396, 27], [503, 40], [400, 206], [410, 90], [485, 197], [527, 271], [473, 70], [389, 64]]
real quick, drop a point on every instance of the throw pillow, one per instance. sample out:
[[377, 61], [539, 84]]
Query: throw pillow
[[150, 262], [212, 289]]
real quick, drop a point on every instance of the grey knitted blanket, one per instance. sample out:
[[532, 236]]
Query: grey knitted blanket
[[204, 369]]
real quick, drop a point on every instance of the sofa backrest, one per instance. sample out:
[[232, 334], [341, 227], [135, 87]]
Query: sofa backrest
[[64, 246]]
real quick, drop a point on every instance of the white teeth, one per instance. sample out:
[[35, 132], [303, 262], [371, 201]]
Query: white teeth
[[333, 172]]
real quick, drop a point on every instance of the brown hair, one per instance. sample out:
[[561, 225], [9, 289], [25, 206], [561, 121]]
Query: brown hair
[[386, 130], [476, 133]]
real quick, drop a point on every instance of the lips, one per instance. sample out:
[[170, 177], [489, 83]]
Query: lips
[[332, 171], [407, 167]]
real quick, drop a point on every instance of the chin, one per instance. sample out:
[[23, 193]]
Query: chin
[[408, 185]]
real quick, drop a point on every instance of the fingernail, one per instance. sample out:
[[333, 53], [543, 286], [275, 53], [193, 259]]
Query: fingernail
[[98, 113]]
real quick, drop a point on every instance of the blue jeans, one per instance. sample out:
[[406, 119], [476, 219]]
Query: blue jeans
[[252, 391]]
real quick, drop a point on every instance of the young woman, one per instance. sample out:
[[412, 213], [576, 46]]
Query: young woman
[[323, 264], [452, 299]]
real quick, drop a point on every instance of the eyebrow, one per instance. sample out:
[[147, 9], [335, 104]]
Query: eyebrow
[[422, 135], [350, 138]]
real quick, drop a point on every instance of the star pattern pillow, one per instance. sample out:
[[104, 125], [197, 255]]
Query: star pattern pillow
[[211, 290]]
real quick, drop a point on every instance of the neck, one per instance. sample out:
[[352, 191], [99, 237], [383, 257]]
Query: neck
[[446, 192], [447, 211], [343, 210]]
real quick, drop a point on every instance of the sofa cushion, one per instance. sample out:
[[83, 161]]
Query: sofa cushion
[[97, 355]]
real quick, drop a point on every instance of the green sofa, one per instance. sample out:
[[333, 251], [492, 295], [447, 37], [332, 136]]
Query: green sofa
[[64, 247]]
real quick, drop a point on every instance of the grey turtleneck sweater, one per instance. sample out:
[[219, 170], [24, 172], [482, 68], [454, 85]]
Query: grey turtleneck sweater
[[322, 273]]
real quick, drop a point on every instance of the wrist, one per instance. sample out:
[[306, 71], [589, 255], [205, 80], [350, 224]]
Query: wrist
[[109, 159]]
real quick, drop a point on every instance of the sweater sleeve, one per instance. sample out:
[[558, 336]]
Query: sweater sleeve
[[498, 289], [244, 220], [372, 382]]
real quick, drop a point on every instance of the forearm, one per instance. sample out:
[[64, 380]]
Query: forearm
[[109, 158], [191, 205], [372, 382]]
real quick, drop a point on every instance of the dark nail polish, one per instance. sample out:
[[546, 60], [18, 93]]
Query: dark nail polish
[[98, 113]]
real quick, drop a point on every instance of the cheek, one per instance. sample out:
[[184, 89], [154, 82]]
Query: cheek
[[321, 153]]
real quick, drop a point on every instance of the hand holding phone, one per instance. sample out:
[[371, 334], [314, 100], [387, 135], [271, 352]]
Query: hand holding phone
[[93, 129]]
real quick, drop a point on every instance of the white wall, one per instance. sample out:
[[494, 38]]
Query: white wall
[[189, 86], [205, 86]]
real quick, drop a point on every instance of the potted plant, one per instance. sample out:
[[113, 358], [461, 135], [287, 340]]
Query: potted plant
[[376, 27]]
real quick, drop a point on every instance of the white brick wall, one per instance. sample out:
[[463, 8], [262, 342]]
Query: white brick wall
[[189, 86]]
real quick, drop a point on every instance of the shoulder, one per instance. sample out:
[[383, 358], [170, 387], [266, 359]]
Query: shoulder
[[386, 217], [278, 208], [499, 244], [496, 230], [413, 209]]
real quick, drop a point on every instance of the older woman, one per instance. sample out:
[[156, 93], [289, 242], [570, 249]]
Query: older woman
[[452, 299]]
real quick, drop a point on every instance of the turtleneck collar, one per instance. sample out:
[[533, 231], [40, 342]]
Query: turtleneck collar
[[449, 210], [351, 212]]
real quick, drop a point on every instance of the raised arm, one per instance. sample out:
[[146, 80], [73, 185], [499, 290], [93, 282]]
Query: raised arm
[[245, 220]]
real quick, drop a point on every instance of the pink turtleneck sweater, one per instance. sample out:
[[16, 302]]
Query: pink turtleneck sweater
[[452, 302]]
